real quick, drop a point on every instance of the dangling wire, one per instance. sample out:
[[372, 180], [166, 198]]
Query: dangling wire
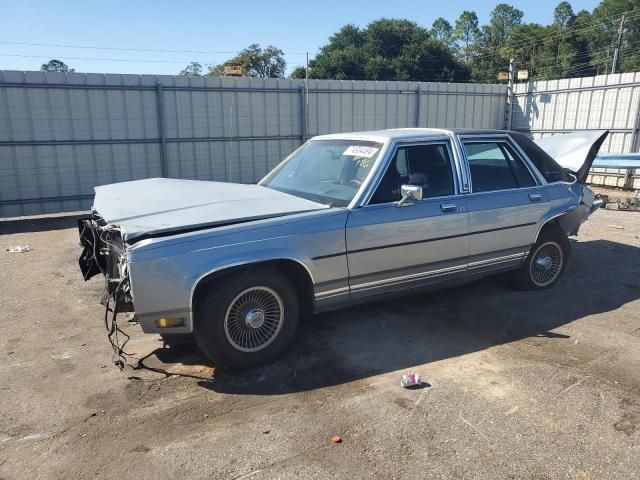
[[114, 332]]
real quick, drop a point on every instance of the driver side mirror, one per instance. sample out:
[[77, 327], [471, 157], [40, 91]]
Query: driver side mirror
[[409, 192]]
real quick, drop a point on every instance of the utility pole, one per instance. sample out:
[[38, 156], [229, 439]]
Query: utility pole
[[306, 94], [510, 93], [616, 53]]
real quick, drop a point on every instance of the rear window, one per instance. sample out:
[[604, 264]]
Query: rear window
[[546, 165]]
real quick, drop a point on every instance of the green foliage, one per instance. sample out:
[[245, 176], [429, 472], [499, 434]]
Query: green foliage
[[608, 14], [563, 16], [298, 72], [256, 62], [442, 30], [466, 32], [387, 49], [503, 19], [573, 44], [491, 53], [194, 69], [579, 44], [56, 66]]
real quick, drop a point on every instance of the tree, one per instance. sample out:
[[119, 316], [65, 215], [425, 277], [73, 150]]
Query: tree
[[466, 31], [563, 41], [194, 69], [563, 16], [343, 57], [387, 49], [608, 14], [56, 66], [216, 70], [257, 62], [299, 72], [492, 56], [503, 18], [442, 30]]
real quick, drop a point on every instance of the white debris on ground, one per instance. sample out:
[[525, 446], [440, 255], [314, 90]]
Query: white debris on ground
[[19, 249]]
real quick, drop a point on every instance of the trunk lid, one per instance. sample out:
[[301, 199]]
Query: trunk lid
[[156, 206], [574, 151]]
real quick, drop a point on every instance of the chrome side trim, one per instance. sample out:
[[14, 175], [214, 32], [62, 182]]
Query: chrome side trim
[[238, 264], [505, 190], [434, 273], [491, 261], [330, 293], [407, 278]]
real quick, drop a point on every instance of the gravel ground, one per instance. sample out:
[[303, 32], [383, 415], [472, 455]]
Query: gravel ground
[[521, 384]]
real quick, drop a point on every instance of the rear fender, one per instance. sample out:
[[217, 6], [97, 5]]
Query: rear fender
[[569, 216]]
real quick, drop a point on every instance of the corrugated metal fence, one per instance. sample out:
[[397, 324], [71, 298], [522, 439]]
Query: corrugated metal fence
[[61, 134], [591, 103]]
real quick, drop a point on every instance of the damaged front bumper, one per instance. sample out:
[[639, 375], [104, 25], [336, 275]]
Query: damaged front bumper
[[104, 252]]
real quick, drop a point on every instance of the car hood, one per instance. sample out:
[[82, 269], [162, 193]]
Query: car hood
[[574, 151], [157, 206]]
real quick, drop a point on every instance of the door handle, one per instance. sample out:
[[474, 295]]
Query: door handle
[[448, 207], [535, 197]]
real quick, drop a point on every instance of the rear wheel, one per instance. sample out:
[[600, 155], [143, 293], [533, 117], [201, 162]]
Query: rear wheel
[[247, 319], [546, 262]]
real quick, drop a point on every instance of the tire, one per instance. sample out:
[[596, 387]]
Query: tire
[[247, 319], [545, 263]]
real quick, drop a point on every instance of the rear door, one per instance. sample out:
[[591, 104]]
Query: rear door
[[506, 202], [392, 248]]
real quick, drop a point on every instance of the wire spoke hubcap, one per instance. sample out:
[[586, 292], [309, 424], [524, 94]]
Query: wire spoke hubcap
[[254, 319], [546, 264]]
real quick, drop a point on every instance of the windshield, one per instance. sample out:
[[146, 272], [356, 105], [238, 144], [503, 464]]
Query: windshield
[[326, 171]]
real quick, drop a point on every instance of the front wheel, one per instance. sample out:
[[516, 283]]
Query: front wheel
[[546, 262], [247, 319]]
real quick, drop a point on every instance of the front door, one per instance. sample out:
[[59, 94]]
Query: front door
[[393, 248]]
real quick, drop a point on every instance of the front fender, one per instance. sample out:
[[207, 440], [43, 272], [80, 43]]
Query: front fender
[[163, 279]]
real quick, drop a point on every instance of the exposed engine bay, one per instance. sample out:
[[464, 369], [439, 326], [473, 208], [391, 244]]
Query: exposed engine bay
[[104, 252]]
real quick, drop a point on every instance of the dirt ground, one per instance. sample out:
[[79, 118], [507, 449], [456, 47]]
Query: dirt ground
[[521, 384]]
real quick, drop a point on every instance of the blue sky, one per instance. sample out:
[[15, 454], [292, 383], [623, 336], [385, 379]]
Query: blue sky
[[203, 26]]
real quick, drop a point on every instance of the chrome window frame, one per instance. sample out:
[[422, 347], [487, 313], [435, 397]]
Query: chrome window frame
[[393, 148], [505, 138]]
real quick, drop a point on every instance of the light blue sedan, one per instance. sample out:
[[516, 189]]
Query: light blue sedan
[[346, 218]]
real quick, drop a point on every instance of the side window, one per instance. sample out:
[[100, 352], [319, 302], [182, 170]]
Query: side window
[[494, 166], [428, 166]]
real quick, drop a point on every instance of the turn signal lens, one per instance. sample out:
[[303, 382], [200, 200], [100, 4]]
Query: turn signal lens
[[170, 322]]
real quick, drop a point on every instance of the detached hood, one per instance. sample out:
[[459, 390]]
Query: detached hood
[[164, 205], [574, 151]]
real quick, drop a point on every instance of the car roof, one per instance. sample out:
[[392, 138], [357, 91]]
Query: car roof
[[405, 133]]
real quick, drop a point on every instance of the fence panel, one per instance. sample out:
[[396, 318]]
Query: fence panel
[[609, 102], [62, 134]]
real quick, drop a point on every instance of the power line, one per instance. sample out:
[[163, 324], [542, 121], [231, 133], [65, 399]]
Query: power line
[[122, 49], [534, 59], [181, 62], [531, 41], [536, 39]]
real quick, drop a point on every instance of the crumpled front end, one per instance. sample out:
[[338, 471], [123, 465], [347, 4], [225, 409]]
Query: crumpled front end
[[104, 252]]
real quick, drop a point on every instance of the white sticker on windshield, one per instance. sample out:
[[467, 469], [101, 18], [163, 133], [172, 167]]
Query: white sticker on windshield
[[360, 151]]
